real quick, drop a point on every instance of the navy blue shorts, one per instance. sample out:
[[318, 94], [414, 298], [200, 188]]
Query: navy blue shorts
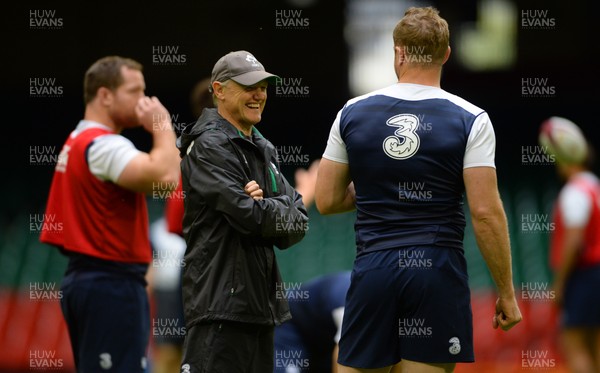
[[108, 318], [291, 353], [581, 300], [412, 303]]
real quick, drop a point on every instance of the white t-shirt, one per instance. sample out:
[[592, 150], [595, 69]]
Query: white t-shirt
[[109, 154], [576, 204]]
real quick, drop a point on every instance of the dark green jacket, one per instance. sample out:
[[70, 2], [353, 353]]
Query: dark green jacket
[[230, 270]]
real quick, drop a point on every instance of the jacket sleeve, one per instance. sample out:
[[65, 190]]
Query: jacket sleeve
[[218, 176]]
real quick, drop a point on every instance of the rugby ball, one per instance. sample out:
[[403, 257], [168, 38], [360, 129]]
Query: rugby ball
[[564, 140]]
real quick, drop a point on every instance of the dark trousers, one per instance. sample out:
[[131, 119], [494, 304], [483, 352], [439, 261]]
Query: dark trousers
[[228, 347]]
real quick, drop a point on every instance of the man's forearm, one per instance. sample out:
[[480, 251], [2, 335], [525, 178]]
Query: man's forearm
[[158, 170], [336, 205], [491, 232], [349, 201], [164, 153], [334, 190]]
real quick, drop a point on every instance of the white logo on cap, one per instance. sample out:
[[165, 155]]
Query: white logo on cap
[[252, 59]]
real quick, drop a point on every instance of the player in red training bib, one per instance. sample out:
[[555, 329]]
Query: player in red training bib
[[575, 244], [98, 195]]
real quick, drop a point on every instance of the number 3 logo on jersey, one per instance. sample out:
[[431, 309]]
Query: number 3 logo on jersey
[[405, 142]]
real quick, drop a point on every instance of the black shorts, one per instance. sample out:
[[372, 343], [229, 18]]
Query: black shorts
[[228, 347], [108, 318], [412, 303], [581, 300]]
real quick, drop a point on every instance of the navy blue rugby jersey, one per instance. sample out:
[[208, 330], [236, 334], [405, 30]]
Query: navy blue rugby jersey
[[406, 146]]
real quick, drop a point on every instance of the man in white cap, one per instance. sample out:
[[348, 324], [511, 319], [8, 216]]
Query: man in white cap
[[238, 206], [575, 244]]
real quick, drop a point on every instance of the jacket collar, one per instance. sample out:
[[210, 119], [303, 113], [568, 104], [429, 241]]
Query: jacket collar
[[213, 116], [211, 119]]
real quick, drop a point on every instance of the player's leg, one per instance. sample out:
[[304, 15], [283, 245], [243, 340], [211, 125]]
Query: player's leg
[[345, 369], [167, 358], [407, 366], [581, 318], [576, 349], [596, 347]]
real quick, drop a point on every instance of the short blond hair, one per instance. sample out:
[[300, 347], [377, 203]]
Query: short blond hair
[[423, 34]]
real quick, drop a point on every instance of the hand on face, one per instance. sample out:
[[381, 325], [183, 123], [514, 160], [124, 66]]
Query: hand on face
[[152, 115]]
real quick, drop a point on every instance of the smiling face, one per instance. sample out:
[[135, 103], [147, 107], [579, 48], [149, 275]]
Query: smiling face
[[241, 105]]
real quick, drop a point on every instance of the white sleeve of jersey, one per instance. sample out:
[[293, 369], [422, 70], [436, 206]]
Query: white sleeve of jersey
[[108, 155], [338, 316], [575, 206], [481, 144], [336, 149]]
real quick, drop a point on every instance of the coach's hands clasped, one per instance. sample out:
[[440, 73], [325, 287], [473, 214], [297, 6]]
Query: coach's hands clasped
[[253, 190]]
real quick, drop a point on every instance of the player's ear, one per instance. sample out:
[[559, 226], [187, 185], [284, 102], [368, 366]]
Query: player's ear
[[399, 55], [104, 96], [447, 55]]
